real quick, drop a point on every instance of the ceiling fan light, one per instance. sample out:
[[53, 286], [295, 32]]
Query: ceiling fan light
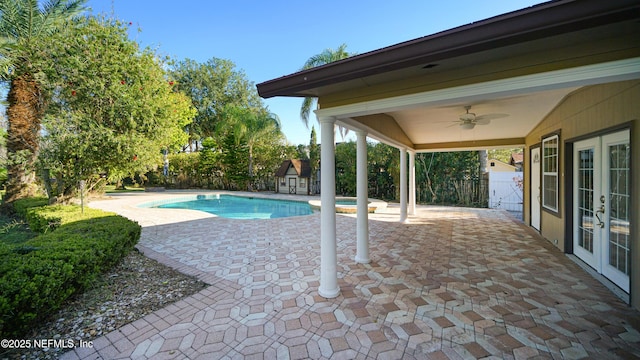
[[467, 125], [468, 117]]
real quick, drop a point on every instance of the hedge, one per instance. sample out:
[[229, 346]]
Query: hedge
[[39, 275]]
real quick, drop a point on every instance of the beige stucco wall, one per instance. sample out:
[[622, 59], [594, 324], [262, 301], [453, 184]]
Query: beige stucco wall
[[588, 111]]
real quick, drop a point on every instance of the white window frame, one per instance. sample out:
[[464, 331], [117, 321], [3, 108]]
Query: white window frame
[[546, 160]]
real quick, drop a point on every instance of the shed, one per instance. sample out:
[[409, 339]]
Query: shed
[[496, 165], [293, 177]]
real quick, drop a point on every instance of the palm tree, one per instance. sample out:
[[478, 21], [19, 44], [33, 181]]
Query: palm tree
[[248, 127], [325, 57], [258, 126], [22, 24]]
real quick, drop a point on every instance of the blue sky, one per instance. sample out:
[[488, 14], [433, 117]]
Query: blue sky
[[269, 39]]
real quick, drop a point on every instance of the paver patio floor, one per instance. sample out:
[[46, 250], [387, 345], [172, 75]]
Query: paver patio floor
[[454, 283]]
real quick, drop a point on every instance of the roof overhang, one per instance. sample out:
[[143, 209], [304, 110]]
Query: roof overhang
[[542, 21], [520, 64]]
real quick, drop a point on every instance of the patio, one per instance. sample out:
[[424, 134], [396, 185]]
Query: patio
[[454, 283]]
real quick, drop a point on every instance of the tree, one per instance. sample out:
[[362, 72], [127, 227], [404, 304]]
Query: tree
[[211, 86], [302, 152], [325, 57], [384, 171], [503, 155], [3, 156], [22, 24], [440, 173], [314, 158], [244, 128], [346, 168], [113, 108], [209, 160]]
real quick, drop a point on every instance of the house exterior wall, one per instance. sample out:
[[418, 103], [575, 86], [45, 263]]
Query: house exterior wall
[[591, 111]]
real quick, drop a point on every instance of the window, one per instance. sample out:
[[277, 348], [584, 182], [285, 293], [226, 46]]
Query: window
[[550, 156], [303, 183]]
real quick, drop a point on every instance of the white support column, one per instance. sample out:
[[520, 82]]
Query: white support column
[[403, 185], [362, 245], [412, 183], [328, 248]]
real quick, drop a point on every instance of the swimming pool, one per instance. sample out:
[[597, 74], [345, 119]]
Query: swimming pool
[[236, 207]]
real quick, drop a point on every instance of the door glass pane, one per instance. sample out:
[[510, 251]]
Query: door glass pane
[[585, 199], [619, 195], [550, 172]]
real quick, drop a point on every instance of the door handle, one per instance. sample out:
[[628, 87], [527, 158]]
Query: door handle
[[600, 210]]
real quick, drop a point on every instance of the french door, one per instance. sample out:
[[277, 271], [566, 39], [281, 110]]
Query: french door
[[534, 199], [602, 200]]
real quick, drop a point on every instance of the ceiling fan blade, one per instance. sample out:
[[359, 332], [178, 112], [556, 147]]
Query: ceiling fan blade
[[488, 117]]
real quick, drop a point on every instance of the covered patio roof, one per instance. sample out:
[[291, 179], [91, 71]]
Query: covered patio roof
[[512, 70]]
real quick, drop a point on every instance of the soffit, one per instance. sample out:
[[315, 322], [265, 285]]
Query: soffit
[[510, 117], [430, 120]]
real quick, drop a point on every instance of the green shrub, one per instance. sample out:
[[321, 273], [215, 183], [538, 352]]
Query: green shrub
[[3, 175], [38, 276], [47, 218], [21, 206]]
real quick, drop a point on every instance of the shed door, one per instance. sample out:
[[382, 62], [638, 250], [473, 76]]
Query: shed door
[[292, 185]]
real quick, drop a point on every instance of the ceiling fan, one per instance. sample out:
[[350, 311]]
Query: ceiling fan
[[469, 120]]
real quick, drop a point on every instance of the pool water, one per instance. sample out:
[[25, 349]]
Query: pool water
[[346, 202], [238, 207]]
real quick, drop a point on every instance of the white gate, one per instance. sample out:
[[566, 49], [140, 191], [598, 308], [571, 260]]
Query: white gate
[[505, 191]]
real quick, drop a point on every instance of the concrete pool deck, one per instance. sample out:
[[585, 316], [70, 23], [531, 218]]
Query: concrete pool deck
[[372, 206], [453, 283]]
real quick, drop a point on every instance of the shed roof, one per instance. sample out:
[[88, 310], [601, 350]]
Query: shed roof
[[517, 158], [302, 167]]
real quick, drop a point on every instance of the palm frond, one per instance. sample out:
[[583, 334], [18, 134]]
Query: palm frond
[[325, 57], [8, 48], [274, 119], [56, 11], [305, 109], [10, 13], [25, 19]]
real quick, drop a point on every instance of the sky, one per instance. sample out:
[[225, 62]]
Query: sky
[[270, 39]]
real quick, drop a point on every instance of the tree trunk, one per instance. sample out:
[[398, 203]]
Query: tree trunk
[[482, 159], [24, 115], [250, 185]]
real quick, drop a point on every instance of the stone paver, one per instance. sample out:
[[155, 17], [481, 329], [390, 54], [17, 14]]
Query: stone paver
[[453, 283]]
